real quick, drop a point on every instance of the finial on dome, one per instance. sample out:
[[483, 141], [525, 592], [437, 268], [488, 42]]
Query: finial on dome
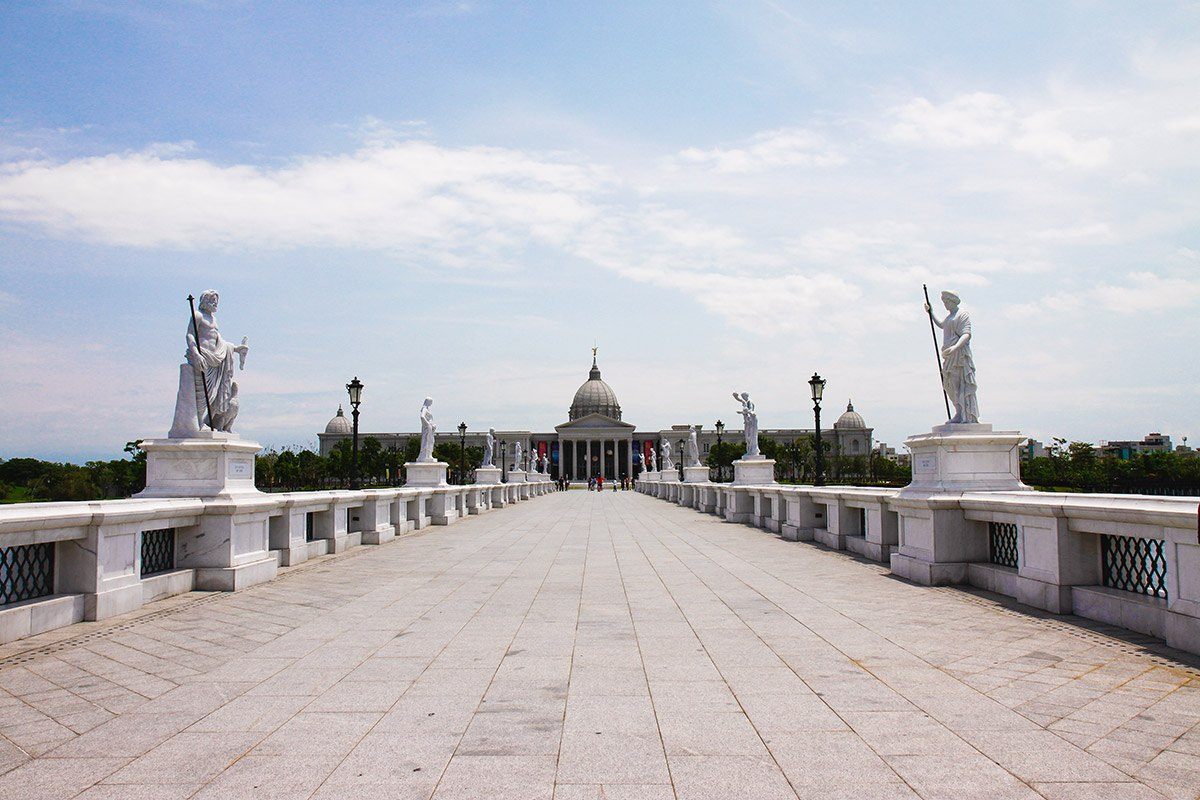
[[849, 405], [594, 349], [340, 414]]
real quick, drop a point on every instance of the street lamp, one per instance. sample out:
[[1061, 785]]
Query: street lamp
[[354, 388], [462, 452], [720, 430], [817, 384], [680, 451], [503, 461]]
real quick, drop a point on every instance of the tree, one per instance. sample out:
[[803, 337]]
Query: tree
[[370, 460]]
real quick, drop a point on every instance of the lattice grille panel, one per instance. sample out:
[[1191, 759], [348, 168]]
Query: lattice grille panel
[[26, 572], [158, 551], [1135, 565], [1002, 544]]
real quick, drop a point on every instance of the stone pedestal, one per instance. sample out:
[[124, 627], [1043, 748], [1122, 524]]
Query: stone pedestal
[[697, 474], [649, 476], [487, 475], [516, 476], [668, 476], [753, 471], [426, 473], [210, 464], [965, 458], [937, 542]]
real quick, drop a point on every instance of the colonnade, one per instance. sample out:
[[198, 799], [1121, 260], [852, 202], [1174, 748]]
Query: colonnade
[[571, 449]]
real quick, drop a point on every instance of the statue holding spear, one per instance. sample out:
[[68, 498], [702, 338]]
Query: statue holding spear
[[954, 359]]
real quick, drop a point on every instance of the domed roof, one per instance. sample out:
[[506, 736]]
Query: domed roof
[[850, 419], [339, 424], [595, 397]]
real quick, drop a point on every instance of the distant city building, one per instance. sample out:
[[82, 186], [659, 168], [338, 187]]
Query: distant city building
[[1032, 449], [596, 441], [1150, 443]]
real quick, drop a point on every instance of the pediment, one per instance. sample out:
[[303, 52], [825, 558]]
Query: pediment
[[593, 421]]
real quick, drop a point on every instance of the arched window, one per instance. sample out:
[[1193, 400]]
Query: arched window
[[854, 446]]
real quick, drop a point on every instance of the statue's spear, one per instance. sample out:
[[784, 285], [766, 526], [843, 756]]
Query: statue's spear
[[937, 351], [200, 353]]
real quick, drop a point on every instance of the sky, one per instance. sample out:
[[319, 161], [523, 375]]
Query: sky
[[460, 198]]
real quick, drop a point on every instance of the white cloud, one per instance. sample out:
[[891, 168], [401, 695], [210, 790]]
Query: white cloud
[[969, 120], [768, 150], [982, 119]]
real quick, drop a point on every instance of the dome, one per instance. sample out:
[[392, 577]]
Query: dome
[[339, 424], [595, 397], [850, 419]]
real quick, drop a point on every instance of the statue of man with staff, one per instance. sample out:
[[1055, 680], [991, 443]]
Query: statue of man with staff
[[207, 392]]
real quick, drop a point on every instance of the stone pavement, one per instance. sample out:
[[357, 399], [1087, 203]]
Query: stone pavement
[[595, 646]]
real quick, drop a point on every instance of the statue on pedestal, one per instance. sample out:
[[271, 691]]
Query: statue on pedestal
[[653, 462], [693, 449], [428, 429], [207, 392], [545, 463], [751, 427], [958, 367], [489, 447], [517, 460], [667, 464]]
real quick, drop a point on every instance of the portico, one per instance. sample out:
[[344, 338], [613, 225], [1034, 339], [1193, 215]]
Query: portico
[[596, 445]]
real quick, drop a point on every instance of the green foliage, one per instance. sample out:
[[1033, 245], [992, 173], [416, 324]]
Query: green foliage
[[24, 480], [1077, 466]]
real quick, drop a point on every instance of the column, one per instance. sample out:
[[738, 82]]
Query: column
[[588, 456], [629, 458], [603, 471]]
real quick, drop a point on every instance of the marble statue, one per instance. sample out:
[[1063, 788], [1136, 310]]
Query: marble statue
[[693, 450], [958, 368], [206, 379], [428, 429], [533, 461], [489, 447], [516, 457], [653, 462], [546, 463], [751, 426], [667, 463]]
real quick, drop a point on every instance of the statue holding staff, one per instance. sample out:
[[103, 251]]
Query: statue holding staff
[[751, 426], [207, 392], [489, 447], [428, 430], [958, 367]]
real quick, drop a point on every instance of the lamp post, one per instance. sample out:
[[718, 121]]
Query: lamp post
[[680, 451], [817, 384], [503, 461], [354, 388], [462, 452], [720, 468]]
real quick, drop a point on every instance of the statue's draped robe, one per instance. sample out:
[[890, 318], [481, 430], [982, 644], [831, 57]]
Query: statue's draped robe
[[751, 430], [958, 371], [488, 450], [427, 432], [693, 452], [217, 373]]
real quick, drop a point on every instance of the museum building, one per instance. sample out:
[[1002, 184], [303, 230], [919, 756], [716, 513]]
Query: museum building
[[595, 440]]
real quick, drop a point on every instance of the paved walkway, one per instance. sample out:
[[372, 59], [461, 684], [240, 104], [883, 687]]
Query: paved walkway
[[594, 646]]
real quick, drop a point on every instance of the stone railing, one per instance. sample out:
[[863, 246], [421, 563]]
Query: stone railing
[[62, 563], [1130, 561]]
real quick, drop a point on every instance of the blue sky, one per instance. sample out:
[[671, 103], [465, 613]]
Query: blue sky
[[460, 198]]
